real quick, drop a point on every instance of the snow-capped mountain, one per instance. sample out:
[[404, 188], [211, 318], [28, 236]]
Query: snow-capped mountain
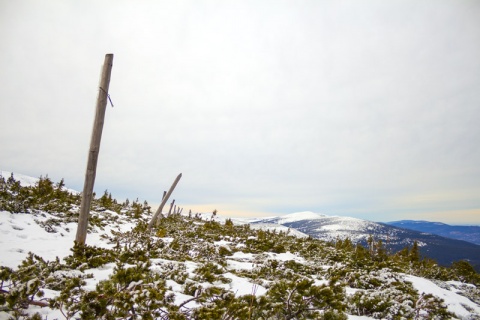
[[330, 228], [326, 227], [292, 217]]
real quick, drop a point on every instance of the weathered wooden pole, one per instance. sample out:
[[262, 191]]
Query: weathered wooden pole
[[164, 200], [171, 207], [94, 150]]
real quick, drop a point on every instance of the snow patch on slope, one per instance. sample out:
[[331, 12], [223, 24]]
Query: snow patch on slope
[[299, 216], [20, 234], [455, 302], [278, 228], [25, 181]]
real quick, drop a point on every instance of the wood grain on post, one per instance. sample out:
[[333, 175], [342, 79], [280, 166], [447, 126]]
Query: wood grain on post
[[164, 200], [94, 150]]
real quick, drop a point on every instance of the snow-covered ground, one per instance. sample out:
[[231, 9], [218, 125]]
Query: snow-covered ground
[[21, 233], [456, 303]]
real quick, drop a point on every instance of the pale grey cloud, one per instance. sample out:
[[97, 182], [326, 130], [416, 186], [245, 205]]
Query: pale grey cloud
[[265, 106]]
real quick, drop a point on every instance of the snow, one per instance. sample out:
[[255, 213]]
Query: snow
[[454, 301], [181, 298], [238, 265], [329, 227], [278, 227], [299, 216], [351, 291], [321, 282], [334, 222], [20, 234], [254, 220], [222, 243], [174, 285], [242, 286], [167, 239], [459, 284], [333, 227], [242, 255], [191, 266], [287, 256], [99, 274], [25, 181]]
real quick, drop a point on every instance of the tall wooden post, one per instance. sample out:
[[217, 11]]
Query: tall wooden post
[[164, 200], [94, 150]]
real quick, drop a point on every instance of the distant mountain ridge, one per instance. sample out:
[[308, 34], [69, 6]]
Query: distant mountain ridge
[[465, 233], [329, 228]]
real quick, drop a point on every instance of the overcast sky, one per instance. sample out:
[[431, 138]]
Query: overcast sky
[[368, 109]]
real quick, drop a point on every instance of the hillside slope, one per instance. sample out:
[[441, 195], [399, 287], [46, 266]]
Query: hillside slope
[[330, 228], [193, 267]]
